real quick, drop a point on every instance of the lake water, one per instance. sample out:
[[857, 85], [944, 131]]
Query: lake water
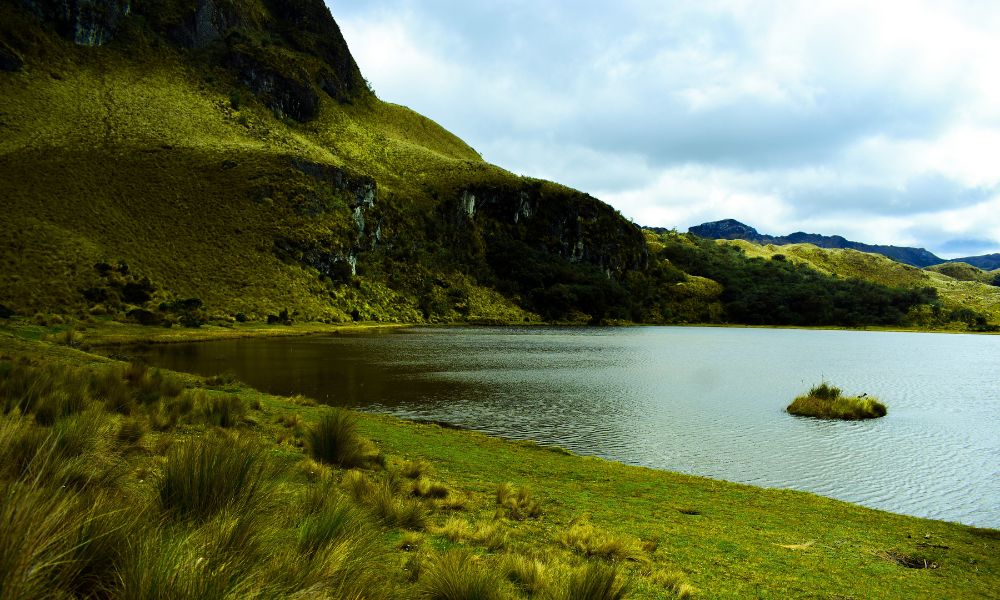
[[705, 401]]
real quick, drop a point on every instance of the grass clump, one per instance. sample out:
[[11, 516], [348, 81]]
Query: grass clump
[[529, 574], [517, 502], [584, 537], [223, 411], [456, 575], [828, 402], [209, 475], [596, 581], [335, 440]]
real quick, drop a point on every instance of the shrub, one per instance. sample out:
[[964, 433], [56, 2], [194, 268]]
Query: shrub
[[335, 440], [455, 575], [826, 402], [518, 502], [209, 475]]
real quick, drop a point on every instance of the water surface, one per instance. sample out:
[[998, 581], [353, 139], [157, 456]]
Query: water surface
[[706, 401]]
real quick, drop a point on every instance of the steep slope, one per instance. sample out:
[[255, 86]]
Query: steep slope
[[230, 152]]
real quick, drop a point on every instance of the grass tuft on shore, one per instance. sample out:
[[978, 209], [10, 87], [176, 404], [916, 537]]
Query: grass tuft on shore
[[825, 401]]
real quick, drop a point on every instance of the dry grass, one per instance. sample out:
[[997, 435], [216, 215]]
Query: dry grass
[[587, 539], [518, 503]]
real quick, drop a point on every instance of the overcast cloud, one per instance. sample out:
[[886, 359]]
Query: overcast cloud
[[879, 121]]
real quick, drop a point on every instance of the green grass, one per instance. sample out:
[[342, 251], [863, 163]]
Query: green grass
[[352, 532], [334, 440], [213, 474], [827, 402]]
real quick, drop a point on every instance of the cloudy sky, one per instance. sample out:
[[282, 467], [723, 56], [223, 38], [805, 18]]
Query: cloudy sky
[[879, 121]]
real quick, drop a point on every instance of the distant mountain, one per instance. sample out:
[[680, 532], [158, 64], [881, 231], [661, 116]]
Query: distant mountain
[[987, 262], [731, 229]]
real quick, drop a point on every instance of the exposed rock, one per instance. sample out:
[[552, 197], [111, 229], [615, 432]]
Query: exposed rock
[[10, 60], [283, 93], [86, 22], [556, 220]]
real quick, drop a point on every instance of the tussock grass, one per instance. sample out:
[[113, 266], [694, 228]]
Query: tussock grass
[[336, 520], [457, 575], [486, 534], [827, 402], [518, 503], [584, 537], [425, 488], [674, 582], [335, 440], [413, 469], [209, 475], [530, 575], [223, 410], [596, 581], [394, 510]]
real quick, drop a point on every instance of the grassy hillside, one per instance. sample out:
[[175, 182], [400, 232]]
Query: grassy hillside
[[103, 493], [955, 294], [188, 161], [168, 160]]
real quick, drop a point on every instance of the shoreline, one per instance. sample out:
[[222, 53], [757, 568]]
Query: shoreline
[[105, 334], [728, 539]]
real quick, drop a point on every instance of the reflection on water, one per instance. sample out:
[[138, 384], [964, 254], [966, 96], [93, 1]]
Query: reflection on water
[[707, 401]]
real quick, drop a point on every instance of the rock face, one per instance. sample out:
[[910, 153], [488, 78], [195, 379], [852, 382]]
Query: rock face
[[337, 221], [730, 229], [283, 51], [554, 220], [86, 22]]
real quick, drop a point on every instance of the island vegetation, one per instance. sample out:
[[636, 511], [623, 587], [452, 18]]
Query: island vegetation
[[825, 401]]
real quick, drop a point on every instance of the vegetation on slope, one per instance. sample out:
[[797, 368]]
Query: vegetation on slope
[[162, 150], [962, 305], [781, 292], [122, 481], [825, 401]]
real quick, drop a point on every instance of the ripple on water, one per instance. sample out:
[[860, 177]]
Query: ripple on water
[[705, 401]]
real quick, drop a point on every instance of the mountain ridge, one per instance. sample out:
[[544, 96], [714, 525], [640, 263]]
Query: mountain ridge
[[731, 229]]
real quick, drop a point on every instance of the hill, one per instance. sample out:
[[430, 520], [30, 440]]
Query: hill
[[731, 229], [229, 156], [199, 161], [959, 299]]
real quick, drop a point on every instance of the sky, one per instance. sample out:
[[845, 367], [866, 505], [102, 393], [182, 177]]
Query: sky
[[878, 121]]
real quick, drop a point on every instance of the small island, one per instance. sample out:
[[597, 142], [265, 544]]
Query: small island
[[826, 402]]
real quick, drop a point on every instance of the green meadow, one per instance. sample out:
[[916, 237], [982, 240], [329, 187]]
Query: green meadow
[[122, 481]]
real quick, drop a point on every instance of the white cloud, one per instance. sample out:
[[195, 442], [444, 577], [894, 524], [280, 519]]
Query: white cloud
[[879, 121]]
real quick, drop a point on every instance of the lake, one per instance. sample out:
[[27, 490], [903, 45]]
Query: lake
[[705, 401]]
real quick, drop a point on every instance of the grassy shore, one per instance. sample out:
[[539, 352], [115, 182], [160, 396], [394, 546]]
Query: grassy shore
[[190, 487]]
